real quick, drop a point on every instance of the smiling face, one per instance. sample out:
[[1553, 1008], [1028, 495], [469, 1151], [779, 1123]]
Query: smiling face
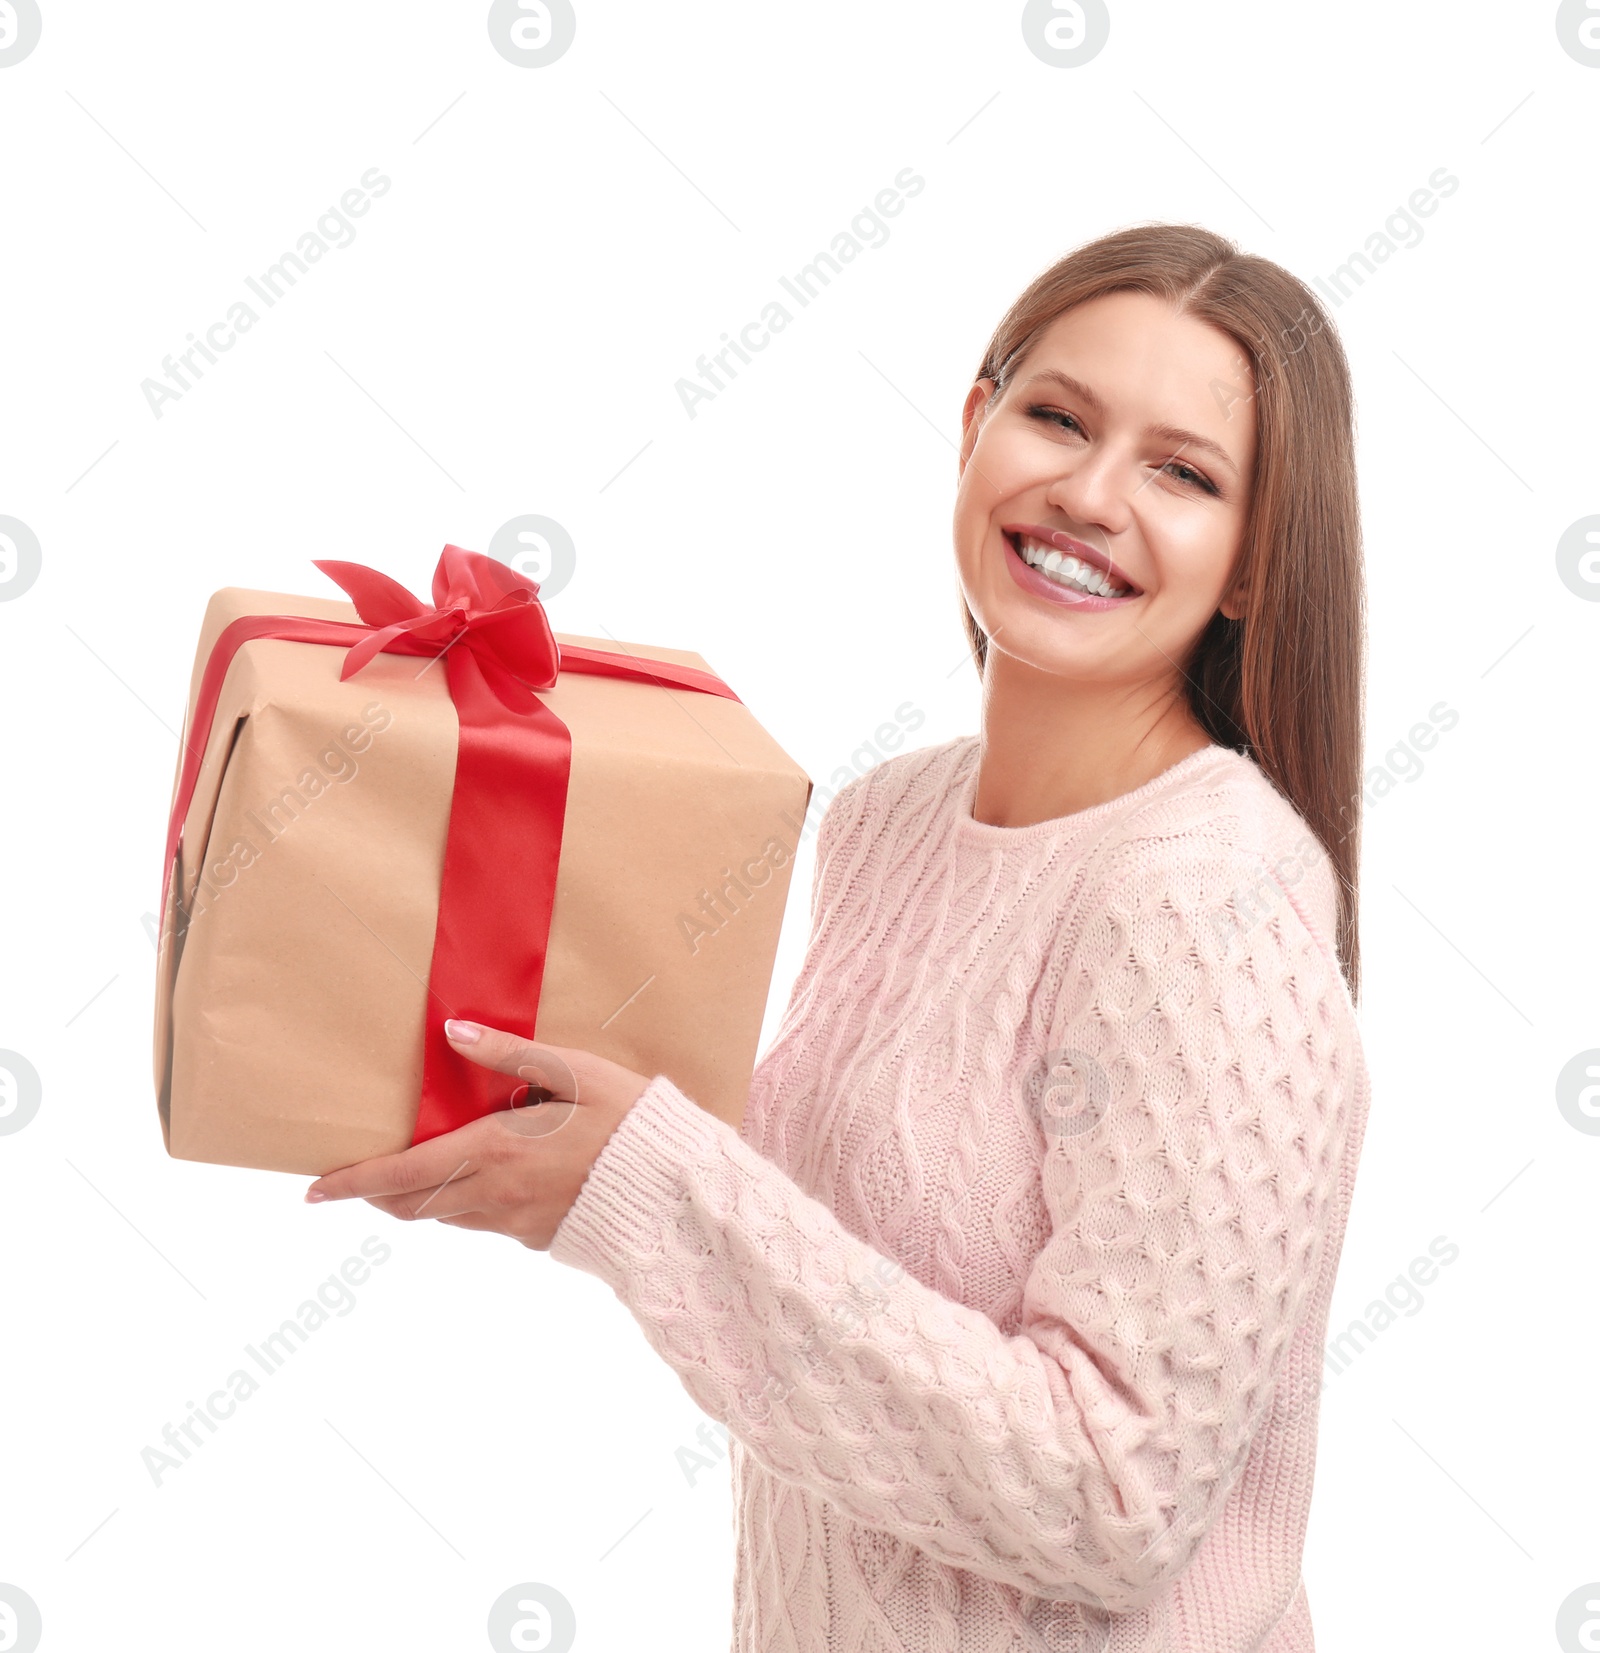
[[1103, 498]]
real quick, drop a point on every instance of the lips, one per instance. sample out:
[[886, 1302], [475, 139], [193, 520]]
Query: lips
[[1063, 542], [1039, 583]]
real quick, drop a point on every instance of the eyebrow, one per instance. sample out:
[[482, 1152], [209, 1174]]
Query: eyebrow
[[1173, 433]]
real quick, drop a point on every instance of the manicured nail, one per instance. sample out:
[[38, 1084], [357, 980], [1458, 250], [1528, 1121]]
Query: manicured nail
[[313, 1195], [464, 1033]]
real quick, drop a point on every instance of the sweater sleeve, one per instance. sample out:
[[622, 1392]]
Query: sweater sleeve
[[1191, 1111]]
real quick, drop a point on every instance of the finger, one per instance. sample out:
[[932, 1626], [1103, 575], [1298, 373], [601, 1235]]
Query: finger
[[413, 1171], [542, 1067], [486, 1224], [529, 1117], [479, 1220], [449, 1199]]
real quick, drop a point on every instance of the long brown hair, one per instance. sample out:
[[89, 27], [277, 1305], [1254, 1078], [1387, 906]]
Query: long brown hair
[[1284, 684]]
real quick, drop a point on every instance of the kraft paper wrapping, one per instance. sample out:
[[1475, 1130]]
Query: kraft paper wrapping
[[289, 1009]]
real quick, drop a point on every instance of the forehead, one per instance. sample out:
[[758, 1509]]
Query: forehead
[[1149, 365]]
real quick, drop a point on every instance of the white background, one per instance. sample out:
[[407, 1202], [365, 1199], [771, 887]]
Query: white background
[[503, 336]]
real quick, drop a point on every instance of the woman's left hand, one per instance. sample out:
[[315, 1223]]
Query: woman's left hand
[[516, 1172]]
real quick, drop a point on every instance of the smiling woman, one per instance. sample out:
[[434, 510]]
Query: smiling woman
[[1122, 401], [1011, 1291]]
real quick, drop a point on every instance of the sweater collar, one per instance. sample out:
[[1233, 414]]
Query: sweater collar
[[984, 832]]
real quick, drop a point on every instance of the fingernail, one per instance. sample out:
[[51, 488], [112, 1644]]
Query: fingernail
[[464, 1033], [313, 1195]]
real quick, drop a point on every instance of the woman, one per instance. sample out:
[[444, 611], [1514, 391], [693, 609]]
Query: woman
[[1012, 1290]]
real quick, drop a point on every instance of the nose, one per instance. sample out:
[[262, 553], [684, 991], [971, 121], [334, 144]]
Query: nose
[[1095, 488]]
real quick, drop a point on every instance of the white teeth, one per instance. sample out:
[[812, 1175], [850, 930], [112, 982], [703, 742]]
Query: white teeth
[[1069, 571]]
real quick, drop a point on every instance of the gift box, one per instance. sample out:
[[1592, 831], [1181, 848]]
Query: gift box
[[388, 813]]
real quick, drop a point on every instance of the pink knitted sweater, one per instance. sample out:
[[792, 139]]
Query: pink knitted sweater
[[1012, 1290]]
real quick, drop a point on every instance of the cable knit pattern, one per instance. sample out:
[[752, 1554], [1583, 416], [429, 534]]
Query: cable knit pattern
[[1012, 1290]]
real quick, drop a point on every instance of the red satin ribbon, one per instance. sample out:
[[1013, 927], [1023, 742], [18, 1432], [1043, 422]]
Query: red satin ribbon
[[503, 843]]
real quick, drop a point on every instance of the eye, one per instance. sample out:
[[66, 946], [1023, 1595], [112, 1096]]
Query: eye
[[1191, 476], [1054, 416]]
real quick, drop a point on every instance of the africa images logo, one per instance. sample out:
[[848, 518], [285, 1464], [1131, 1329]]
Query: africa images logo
[[20, 27]]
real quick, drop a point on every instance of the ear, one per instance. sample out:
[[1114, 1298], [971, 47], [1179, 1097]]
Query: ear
[[1232, 605], [972, 420]]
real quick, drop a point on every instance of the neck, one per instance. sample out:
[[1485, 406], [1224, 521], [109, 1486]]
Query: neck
[[1050, 746]]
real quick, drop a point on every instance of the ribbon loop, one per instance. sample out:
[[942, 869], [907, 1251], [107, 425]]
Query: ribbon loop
[[474, 598]]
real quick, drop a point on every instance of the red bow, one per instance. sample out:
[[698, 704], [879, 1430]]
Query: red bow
[[478, 602]]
